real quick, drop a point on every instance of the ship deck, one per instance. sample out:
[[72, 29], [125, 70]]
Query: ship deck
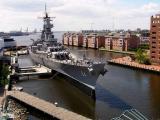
[[77, 62]]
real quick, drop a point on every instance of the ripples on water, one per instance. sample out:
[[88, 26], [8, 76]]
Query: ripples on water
[[120, 89]]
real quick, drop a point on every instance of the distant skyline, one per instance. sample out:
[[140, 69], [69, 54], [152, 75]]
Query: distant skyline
[[78, 15]]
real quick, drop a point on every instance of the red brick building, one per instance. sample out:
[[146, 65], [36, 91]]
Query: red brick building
[[77, 39], [121, 41], [100, 41], [133, 41], [112, 41], [108, 42], [65, 39], [91, 40], [85, 40], [73, 39], [70, 39], [155, 39], [94, 40]]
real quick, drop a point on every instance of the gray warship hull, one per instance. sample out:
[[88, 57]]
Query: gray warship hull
[[80, 74]]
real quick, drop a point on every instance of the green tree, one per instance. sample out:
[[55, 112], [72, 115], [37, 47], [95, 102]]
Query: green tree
[[141, 56], [4, 72]]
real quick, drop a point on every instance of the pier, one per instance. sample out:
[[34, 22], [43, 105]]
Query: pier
[[33, 70], [127, 62], [29, 71], [46, 107]]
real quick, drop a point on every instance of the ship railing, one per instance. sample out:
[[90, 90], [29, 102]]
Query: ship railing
[[73, 62], [100, 60], [132, 114]]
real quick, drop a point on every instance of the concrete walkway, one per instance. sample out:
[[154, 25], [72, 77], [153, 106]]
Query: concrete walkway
[[116, 51], [46, 107], [126, 61]]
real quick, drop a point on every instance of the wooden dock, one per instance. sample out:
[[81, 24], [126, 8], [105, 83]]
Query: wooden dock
[[46, 107]]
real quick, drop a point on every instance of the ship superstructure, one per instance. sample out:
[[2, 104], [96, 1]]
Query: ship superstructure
[[48, 52]]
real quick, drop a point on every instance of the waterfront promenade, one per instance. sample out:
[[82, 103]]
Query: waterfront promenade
[[116, 51], [126, 61], [46, 107]]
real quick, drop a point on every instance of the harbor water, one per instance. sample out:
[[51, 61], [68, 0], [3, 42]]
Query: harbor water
[[118, 90]]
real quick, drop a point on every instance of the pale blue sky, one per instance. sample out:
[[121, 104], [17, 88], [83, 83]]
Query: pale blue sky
[[78, 14]]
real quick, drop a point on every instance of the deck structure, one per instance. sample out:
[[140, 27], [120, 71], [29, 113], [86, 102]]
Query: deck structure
[[33, 70]]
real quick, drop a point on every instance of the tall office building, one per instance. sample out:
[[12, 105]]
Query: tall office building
[[155, 39]]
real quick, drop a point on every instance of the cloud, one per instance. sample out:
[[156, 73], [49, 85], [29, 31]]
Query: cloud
[[143, 11], [83, 8], [29, 5], [150, 6], [138, 17], [76, 15]]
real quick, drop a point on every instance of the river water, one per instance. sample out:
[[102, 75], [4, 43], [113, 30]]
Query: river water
[[119, 89]]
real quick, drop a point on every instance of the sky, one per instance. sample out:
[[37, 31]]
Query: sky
[[75, 15]]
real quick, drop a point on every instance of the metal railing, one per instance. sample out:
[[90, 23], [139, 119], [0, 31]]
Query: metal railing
[[72, 62], [132, 114]]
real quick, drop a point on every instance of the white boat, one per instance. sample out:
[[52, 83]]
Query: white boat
[[9, 42]]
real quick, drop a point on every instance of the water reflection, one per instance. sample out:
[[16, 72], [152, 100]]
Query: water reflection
[[94, 54], [154, 83], [58, 90], [102, 94]]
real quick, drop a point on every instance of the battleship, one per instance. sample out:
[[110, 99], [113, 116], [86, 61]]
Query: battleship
[[47, 51]]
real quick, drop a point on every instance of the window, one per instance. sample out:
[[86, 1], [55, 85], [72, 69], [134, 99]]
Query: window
[[153, 57], [153, 47], [153, 32], [153, 52], [153, 26], [153, 37]]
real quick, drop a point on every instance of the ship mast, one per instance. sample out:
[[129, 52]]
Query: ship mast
[[46, 14], [47, 34]]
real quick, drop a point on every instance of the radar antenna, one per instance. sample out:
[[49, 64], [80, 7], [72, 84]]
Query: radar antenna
[[46, 13]]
